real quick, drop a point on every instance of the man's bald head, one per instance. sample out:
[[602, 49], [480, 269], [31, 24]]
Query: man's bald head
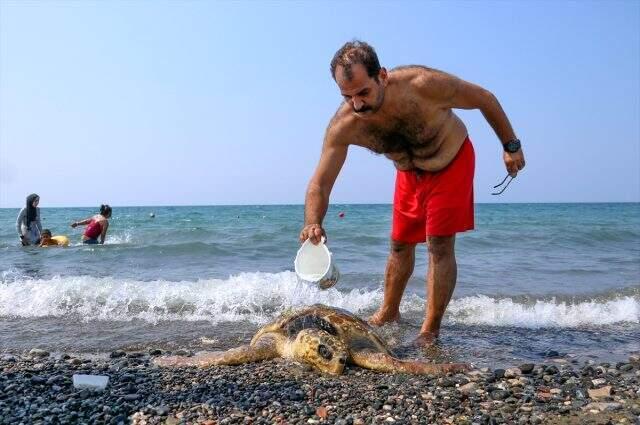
[[352, 53]]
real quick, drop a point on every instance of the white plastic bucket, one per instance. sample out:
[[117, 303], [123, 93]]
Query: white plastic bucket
[[314, 263]]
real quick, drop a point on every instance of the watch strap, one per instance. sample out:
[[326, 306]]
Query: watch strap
[[512, 146]]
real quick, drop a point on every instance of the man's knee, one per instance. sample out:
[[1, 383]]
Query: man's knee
[[441, 247], [401, 248]]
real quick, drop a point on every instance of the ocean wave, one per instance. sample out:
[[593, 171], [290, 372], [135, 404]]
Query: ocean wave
[[484, 310], [258, 297], [254, 297]]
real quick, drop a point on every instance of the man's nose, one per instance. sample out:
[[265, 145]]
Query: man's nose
[[357, 104]]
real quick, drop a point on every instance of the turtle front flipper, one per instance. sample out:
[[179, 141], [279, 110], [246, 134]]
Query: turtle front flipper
[[264, 349], [382, 362]]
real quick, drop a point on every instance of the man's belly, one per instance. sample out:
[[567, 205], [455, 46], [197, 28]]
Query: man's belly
[[443, 157], [431, 158]]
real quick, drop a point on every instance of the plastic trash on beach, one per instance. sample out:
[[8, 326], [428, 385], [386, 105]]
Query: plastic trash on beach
[[92, 382], [314, 263]]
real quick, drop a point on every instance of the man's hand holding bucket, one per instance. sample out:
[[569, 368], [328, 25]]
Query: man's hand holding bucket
[[315, 232]]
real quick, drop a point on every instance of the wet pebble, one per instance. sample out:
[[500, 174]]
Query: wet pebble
[[281, 392]]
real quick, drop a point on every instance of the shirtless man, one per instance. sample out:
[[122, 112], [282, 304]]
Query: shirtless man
[[406, 114]]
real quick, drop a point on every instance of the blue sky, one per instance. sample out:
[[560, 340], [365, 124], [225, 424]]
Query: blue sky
[[178, 103]]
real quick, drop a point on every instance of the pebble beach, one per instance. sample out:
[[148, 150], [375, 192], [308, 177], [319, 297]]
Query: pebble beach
[[37, 387]]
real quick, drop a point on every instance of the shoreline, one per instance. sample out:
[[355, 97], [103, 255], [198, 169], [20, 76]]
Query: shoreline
[[38, 388]]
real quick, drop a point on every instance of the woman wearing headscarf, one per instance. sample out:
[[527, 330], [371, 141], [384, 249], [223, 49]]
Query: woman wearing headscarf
[[28, 223]]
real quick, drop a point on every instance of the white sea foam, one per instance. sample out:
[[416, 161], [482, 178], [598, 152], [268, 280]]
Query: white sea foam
[[483, 310], [247, 296], [120, 238], [256, 297]]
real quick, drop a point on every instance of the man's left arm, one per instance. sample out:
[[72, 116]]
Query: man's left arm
[[460, 94]]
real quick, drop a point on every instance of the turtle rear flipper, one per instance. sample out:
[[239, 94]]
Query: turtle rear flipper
[[263, 350], [382, 362]]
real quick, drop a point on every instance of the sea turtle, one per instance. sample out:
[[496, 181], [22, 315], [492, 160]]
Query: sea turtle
[[324, 337]]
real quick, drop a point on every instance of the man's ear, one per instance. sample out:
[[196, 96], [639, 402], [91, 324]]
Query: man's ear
[[383, 76]]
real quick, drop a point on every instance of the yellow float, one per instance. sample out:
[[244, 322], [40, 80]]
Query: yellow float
[[61, 240]]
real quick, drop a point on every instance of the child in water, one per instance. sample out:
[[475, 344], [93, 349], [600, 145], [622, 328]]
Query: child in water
[[47, 240]]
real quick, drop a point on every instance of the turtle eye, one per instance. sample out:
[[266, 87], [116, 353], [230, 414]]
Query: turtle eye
[[324, 352]]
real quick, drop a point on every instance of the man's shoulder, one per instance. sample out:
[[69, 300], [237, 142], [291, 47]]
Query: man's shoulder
[[342, 124], [412, 72], [429, 82], [417, 74]]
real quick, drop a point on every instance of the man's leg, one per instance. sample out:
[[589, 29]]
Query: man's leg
[[399, 269], [441, 280]]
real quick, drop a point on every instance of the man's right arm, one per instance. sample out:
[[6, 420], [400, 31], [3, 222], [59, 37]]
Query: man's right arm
[[334, 153]]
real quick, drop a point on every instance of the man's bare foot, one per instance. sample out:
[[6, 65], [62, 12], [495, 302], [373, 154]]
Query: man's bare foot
[[379, 318], [425, 339]]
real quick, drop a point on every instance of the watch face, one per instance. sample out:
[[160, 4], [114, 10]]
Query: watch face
[[512, 146]]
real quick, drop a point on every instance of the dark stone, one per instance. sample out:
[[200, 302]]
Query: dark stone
[[498, 373], [296, 396], [527, 368], [120, 419], [446, 382], [127, 377], [38, 380], [499, 394], [131, 389], [116, 354], [162, 410], [54, 379], [551, 370]]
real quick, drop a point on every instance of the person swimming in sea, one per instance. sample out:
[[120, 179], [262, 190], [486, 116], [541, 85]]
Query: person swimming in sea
[[97, 226], [46, 239], [28, 223]]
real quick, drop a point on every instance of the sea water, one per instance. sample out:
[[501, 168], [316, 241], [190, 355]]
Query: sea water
[[532, 279]]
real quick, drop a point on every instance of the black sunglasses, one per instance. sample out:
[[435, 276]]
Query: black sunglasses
[[503, 188]]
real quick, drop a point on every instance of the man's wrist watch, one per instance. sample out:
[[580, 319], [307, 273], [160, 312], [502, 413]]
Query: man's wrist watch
[[512, 146]]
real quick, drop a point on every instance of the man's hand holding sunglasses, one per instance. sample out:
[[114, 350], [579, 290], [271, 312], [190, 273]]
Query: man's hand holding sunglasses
[[513, 157], [514, 161]]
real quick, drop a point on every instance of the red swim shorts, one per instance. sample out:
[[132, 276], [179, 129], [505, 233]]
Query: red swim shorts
[[435, 204]]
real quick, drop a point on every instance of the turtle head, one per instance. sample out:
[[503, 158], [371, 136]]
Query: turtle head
[[320, 349]]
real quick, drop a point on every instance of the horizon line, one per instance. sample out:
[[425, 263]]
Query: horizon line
[[336, 203]]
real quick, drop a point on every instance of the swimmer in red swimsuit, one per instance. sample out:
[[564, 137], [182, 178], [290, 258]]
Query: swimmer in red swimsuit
[[97, 226]]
